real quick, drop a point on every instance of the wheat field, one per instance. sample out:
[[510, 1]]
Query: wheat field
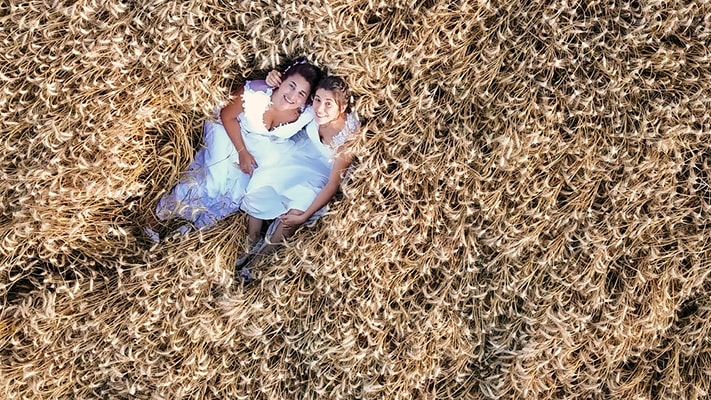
[[528, 215]]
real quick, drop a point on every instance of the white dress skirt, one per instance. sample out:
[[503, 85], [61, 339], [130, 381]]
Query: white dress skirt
[[214, 186], [295, 181]]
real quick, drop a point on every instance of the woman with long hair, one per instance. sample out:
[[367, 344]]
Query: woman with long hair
[[298, 188], [252, 132]]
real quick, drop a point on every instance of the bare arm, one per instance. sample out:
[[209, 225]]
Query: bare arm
[[229, 115], [340, 165]]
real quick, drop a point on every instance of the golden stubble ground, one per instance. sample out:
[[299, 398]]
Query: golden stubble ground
[[528, 216]]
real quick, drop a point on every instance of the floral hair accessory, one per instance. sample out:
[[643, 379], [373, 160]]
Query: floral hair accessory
[[300, 60]]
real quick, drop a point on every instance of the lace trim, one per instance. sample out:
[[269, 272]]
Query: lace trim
[[255, 103], [347, 133]]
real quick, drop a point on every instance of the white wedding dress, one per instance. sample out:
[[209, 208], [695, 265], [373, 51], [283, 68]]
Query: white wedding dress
[[214, 186], [298, 178]]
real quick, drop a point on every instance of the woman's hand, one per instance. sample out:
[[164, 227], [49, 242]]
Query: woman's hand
[[247, 163], [292, 218], [274, 78]]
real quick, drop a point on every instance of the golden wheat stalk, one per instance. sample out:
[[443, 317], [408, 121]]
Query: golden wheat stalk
[[527, 216]]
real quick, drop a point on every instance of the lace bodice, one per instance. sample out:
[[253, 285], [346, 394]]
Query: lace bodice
[[328, 151], [347, 133], [256, 99]]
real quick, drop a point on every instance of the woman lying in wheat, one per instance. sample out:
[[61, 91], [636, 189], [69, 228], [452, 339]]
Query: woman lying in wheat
[[252, 133], [297, 189]]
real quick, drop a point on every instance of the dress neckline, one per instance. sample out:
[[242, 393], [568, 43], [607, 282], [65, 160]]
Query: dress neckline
[[333, 137], [275, 127], [268, 91], [338, 139]]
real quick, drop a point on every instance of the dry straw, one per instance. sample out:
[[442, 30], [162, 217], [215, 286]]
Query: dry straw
[[527, 218]]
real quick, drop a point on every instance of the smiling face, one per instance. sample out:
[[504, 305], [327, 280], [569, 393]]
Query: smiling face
[[326, 107], [292, 93]]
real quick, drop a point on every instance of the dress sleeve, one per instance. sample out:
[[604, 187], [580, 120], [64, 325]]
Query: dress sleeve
[[258, 86], [349, 131], [255, 102], [352, 125]]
